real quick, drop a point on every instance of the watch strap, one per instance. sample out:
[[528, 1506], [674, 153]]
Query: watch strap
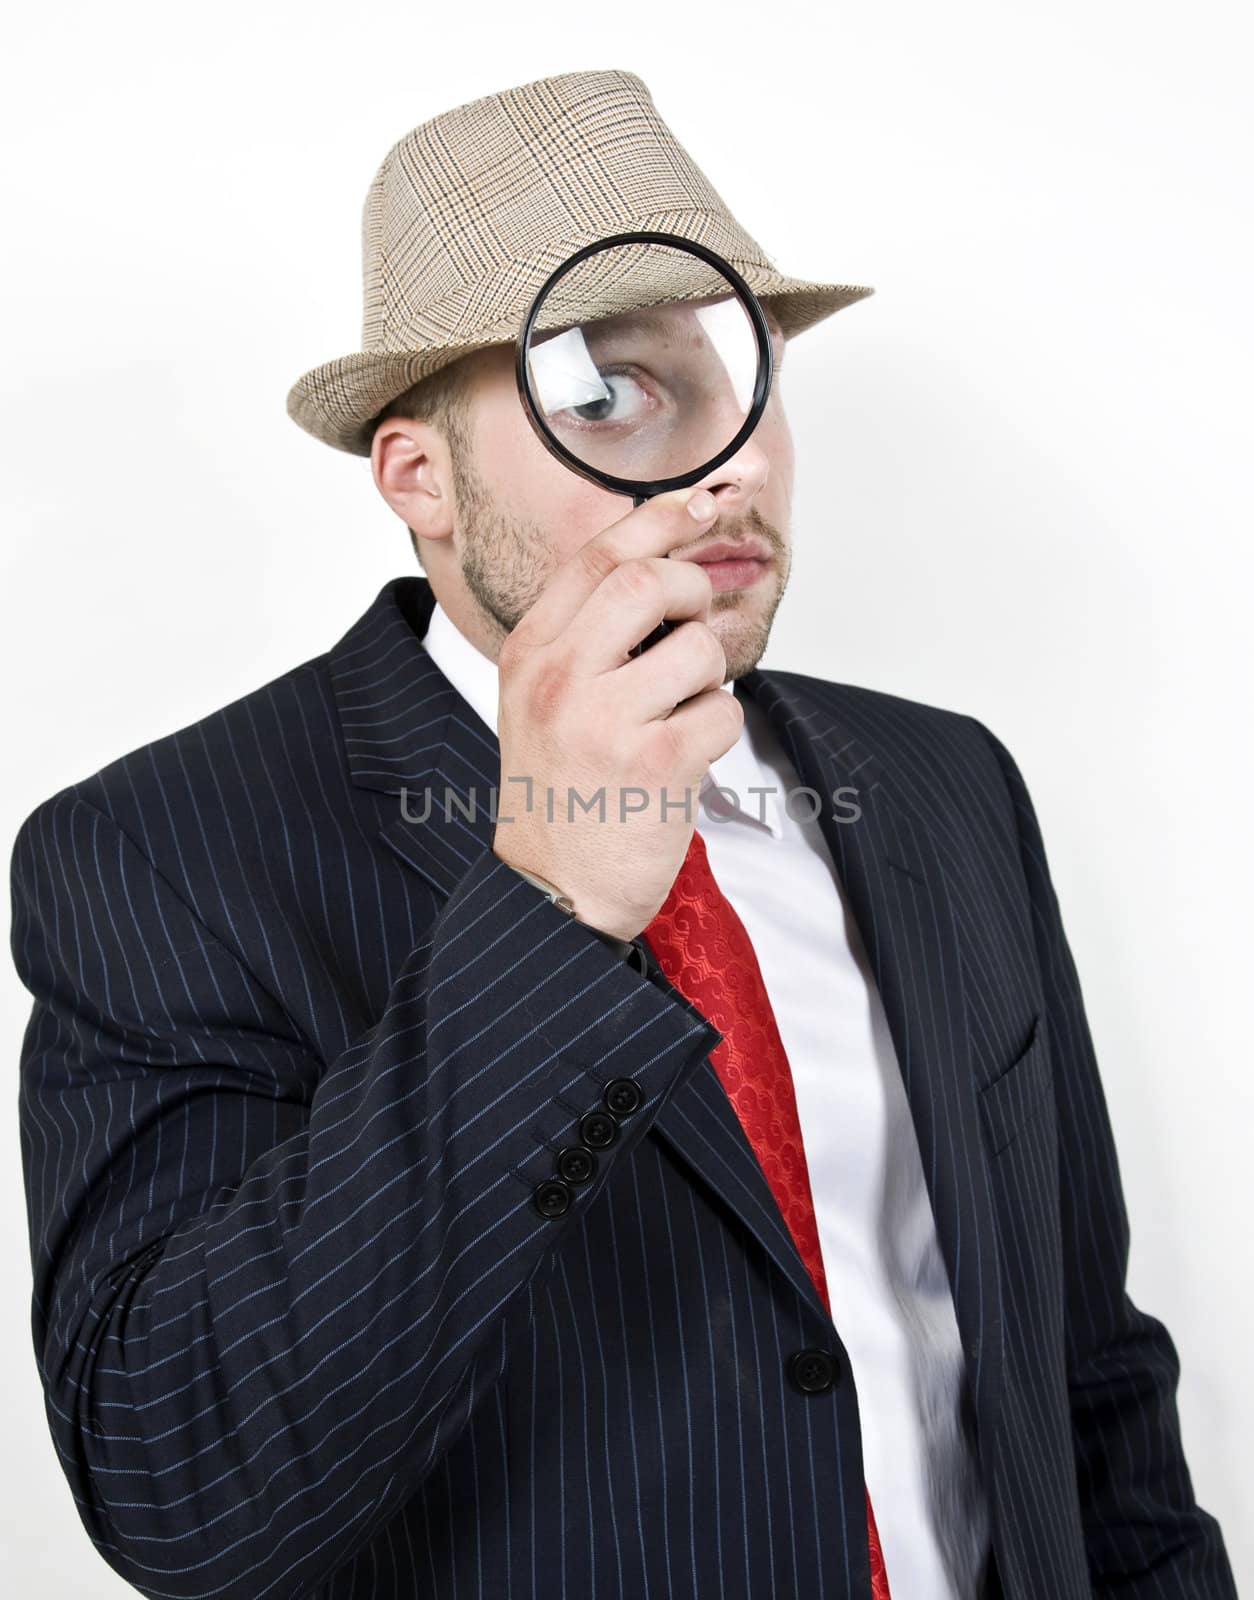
[[627, 949]]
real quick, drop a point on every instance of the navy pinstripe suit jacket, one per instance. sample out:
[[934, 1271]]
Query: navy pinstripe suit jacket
[[297, 1068]]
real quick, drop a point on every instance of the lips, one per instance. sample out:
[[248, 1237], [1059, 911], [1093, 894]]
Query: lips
[[726, 550], [731, 563]]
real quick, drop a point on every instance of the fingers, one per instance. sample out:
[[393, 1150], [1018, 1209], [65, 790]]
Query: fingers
[[629, 604], [686, 664], [651, 529], [696, 733]]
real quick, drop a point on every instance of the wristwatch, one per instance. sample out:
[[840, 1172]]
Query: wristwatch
[[632, 950]]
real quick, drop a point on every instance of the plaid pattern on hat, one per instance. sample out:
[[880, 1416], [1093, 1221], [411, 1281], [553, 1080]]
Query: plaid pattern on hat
[[472, 210]]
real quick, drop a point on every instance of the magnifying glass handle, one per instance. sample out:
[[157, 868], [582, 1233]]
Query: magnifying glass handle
[[660, 632], [663, 628]]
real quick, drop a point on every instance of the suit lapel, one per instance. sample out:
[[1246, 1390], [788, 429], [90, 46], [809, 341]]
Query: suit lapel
[[409, 733], [888, 864]]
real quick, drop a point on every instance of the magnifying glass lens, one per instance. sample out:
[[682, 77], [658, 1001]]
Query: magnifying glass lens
[[661, 380]]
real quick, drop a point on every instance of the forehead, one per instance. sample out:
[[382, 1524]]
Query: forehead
[[675, 324], [662, 316]]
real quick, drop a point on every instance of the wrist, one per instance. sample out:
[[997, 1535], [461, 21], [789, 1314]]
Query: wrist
[[626, 949]]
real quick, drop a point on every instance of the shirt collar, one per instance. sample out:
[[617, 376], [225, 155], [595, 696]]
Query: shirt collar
[[726, 789], [471, 673], [740, 771]]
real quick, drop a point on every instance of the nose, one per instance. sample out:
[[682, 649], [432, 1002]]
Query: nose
[[739, 478]]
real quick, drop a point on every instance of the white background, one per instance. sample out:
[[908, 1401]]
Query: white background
[[1023, 474]]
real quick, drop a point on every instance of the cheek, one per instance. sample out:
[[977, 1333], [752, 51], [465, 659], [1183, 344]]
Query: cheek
[[534, 488], [567, 508], [789, 461], [776, 440]]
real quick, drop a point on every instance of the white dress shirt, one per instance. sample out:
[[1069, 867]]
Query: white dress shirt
[[886, 1277]]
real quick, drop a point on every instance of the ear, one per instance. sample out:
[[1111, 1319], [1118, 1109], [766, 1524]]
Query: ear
[[413, 471]]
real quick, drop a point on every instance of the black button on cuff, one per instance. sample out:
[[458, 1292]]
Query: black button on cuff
[[623, 1096], [598, 1130], [575, 1164], [812, 1371], [552, 1197]]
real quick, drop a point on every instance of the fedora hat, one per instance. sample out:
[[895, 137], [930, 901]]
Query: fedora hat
[[472, 210]]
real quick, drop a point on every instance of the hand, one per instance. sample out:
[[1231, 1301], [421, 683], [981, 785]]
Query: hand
[[584, 727]]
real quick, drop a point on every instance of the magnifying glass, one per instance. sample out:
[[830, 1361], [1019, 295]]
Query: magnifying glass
[[644, 362]]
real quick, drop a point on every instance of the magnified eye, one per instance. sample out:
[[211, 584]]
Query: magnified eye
[[627, 400]]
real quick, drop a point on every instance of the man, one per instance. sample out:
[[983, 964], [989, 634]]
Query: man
[[417, 1193]]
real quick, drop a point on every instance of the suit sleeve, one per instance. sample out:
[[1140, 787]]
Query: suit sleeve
[[271, 1290], [1145, 1533]]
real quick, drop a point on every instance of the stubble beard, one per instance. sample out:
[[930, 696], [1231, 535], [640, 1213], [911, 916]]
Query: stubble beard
[[507, 561]]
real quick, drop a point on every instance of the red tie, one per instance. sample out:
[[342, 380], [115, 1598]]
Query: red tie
[[703, 948]]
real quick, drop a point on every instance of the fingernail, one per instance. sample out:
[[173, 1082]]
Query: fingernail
[[701, 505]]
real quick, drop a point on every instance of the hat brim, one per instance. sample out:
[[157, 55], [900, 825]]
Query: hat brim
[[339, 400]]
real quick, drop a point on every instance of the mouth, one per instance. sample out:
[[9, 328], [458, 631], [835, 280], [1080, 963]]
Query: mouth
[[731, 563]]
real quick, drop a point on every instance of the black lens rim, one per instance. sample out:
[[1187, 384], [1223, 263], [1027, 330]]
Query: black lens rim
[[642, 489]]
